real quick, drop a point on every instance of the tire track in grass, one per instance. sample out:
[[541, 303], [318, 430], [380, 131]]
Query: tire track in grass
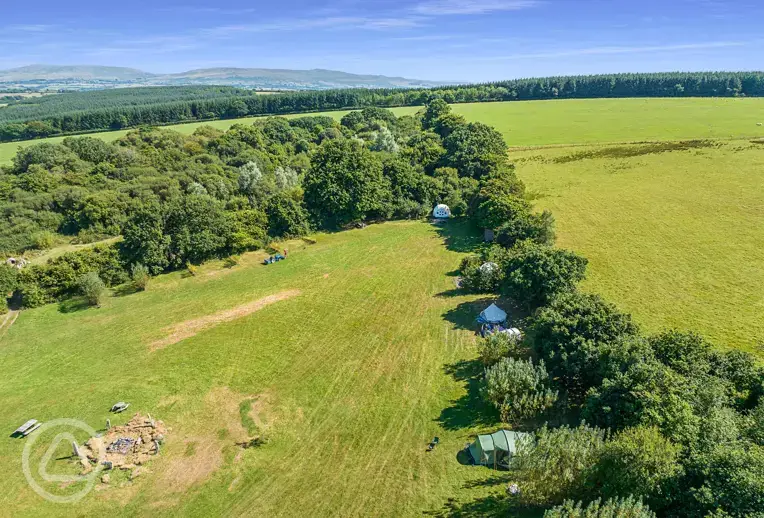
[[8, 321]]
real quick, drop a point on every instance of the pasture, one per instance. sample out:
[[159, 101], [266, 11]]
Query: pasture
[[354, 367], [576, 121], [673, 232]]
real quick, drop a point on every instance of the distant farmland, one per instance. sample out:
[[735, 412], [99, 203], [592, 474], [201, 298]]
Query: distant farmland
[[668, 267], [540, 123]]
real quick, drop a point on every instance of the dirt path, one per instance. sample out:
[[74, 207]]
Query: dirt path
[[189, 328]]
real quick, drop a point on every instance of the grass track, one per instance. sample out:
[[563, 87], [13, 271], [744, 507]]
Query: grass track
[[355, 369]]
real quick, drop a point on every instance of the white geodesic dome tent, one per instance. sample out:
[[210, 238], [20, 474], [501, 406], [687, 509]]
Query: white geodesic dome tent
[[441, 211]]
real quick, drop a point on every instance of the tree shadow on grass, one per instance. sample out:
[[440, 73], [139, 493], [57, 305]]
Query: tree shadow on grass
[[460, 235], [486, 506], [471, 409], [73, 304], [491, 481], [464, 315], [492, 505], [123, 290]]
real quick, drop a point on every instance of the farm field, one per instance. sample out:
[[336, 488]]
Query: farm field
[[673, 236], [570, 121], [349, 376]]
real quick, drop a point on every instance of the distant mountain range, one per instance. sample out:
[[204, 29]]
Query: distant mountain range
[[87, 77]]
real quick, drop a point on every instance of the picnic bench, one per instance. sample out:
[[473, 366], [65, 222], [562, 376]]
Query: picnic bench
[[120, 407], [26, 428]]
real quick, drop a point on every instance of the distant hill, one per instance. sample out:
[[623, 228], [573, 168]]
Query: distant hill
[[86, 72], [263, 78]]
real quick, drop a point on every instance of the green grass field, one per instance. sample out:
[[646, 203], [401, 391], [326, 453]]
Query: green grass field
[[539, 123], [674, 237], [350, 380], [352, 377]]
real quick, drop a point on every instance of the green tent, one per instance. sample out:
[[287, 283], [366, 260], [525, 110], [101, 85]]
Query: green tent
[[495, 449]]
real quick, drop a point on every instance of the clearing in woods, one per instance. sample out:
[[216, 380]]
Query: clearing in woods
[[348, 381]]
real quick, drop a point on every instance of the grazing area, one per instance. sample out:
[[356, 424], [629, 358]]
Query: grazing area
[[345, 377], [673, 233], [348, 381], [571, 121]]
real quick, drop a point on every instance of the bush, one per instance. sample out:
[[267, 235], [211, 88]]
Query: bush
[[638, 461], [535, 273], [519, 389], [8, 279], [729, 478], [479, 275], [496, 346], [33, 296], [192, 269], [59, 277], [92, 287], [286, 216], [554, 468], [141, 276], [614, 508], [685, 352], [539, 228], [572, 334], [231, 261], [648, 393], [43, 240]]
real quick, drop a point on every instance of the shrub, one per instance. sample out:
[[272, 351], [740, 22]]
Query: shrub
[[479, 275], [637, 461], [231, 261], [519, 389], [728, 478], [496, 346], [554, 468], [614, 508], [59, 277], [685, 352], [535, 273], [572, 333], [141, 276], [43, 240], [648, 393], [192, 269], [92, 287], [8, 279], [539, 228], [286, 216]]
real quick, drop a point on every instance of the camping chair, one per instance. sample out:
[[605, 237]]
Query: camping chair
[[433, 444]]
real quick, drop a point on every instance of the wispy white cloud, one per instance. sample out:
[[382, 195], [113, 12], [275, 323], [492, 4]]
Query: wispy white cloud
[[27, 28], [206, 10], [330, 22], [616, 50], [446, 7]]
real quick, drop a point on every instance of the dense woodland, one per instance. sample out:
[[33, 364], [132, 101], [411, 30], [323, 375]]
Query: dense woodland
[[128, 108], [179, 200], [623, 424]]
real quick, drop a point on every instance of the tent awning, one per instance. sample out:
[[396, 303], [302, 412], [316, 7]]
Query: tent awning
[[493, 314]]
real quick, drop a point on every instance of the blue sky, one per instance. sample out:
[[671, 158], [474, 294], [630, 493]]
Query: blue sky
[[465, 40]]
